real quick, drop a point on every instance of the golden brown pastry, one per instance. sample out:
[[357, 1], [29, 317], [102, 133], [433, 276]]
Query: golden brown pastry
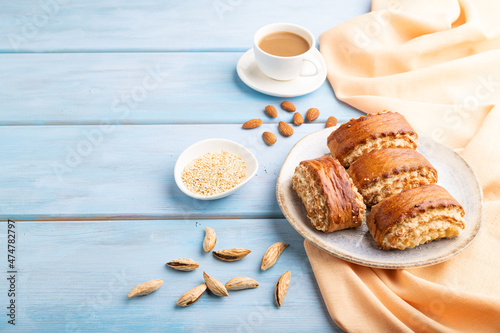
[[374, 131], [331, 199], [385, 172], [415, 216]]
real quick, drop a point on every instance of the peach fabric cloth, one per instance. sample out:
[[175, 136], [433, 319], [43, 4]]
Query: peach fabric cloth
[[438, 63]]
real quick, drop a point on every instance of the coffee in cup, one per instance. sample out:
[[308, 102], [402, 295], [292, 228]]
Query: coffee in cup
[[284, 44], [281, 49]]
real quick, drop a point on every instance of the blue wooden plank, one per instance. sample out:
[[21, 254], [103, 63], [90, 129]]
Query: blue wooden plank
[[112, 25], [75, 277], [138, 88], [126, 172]]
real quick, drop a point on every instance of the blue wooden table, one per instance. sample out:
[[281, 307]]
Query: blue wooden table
[[97, 100]]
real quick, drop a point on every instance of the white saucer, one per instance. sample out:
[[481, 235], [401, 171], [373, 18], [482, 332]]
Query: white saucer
[[252, 76]]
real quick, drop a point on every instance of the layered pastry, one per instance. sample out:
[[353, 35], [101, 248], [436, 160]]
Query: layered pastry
[[374, 131], [328, 194], [415, 216], [385, 172]]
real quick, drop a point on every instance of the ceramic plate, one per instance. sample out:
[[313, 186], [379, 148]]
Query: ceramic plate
[[251, 75], [357, 245]]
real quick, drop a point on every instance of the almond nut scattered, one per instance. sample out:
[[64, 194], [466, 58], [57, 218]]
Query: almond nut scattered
[[145, 288], [312, 114], [231, 254], [191, 296], [241, 282], [331, 121], [287, 106], [271, 111], [252, 123], [272, 254], [285, 129], [298, 119], [269, 138], [185, 265], [209, 240], [215, 286], [282, 287]]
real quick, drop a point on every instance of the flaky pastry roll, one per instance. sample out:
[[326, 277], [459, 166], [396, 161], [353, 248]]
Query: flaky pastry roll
[[415, 216], [328, 194], [374, 131], [385, 172]]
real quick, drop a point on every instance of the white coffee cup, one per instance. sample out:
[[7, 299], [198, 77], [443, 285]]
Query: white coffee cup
[[285, 68]]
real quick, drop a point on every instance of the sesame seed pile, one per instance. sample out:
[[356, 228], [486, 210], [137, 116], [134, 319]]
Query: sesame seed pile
[[214, 172]]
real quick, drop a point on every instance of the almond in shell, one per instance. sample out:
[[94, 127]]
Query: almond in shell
[[215, 286], [252, 123], [287, 106], [272, 254], [192, 296], [271, 111], [231, 254], [145, 288], [209, 240], [185, 265], [282, 287], [241, 282], [285, 129], [269, 138]]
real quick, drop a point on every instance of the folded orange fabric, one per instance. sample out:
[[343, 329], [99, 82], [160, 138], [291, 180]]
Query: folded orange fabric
[[438, 63]]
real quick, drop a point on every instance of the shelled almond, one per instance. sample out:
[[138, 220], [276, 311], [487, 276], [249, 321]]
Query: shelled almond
[[252, 123], [269, 138], [287, 106], [285, 129], [298, 119], [312, 114], [331, 121], [271, 111]]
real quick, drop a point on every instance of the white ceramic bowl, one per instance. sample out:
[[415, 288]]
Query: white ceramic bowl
[[212, 145]]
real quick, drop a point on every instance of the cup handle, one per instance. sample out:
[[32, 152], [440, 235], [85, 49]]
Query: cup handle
[[310, 73]]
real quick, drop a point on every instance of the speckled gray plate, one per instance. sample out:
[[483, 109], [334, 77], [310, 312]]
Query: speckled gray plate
[[357, 245]]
